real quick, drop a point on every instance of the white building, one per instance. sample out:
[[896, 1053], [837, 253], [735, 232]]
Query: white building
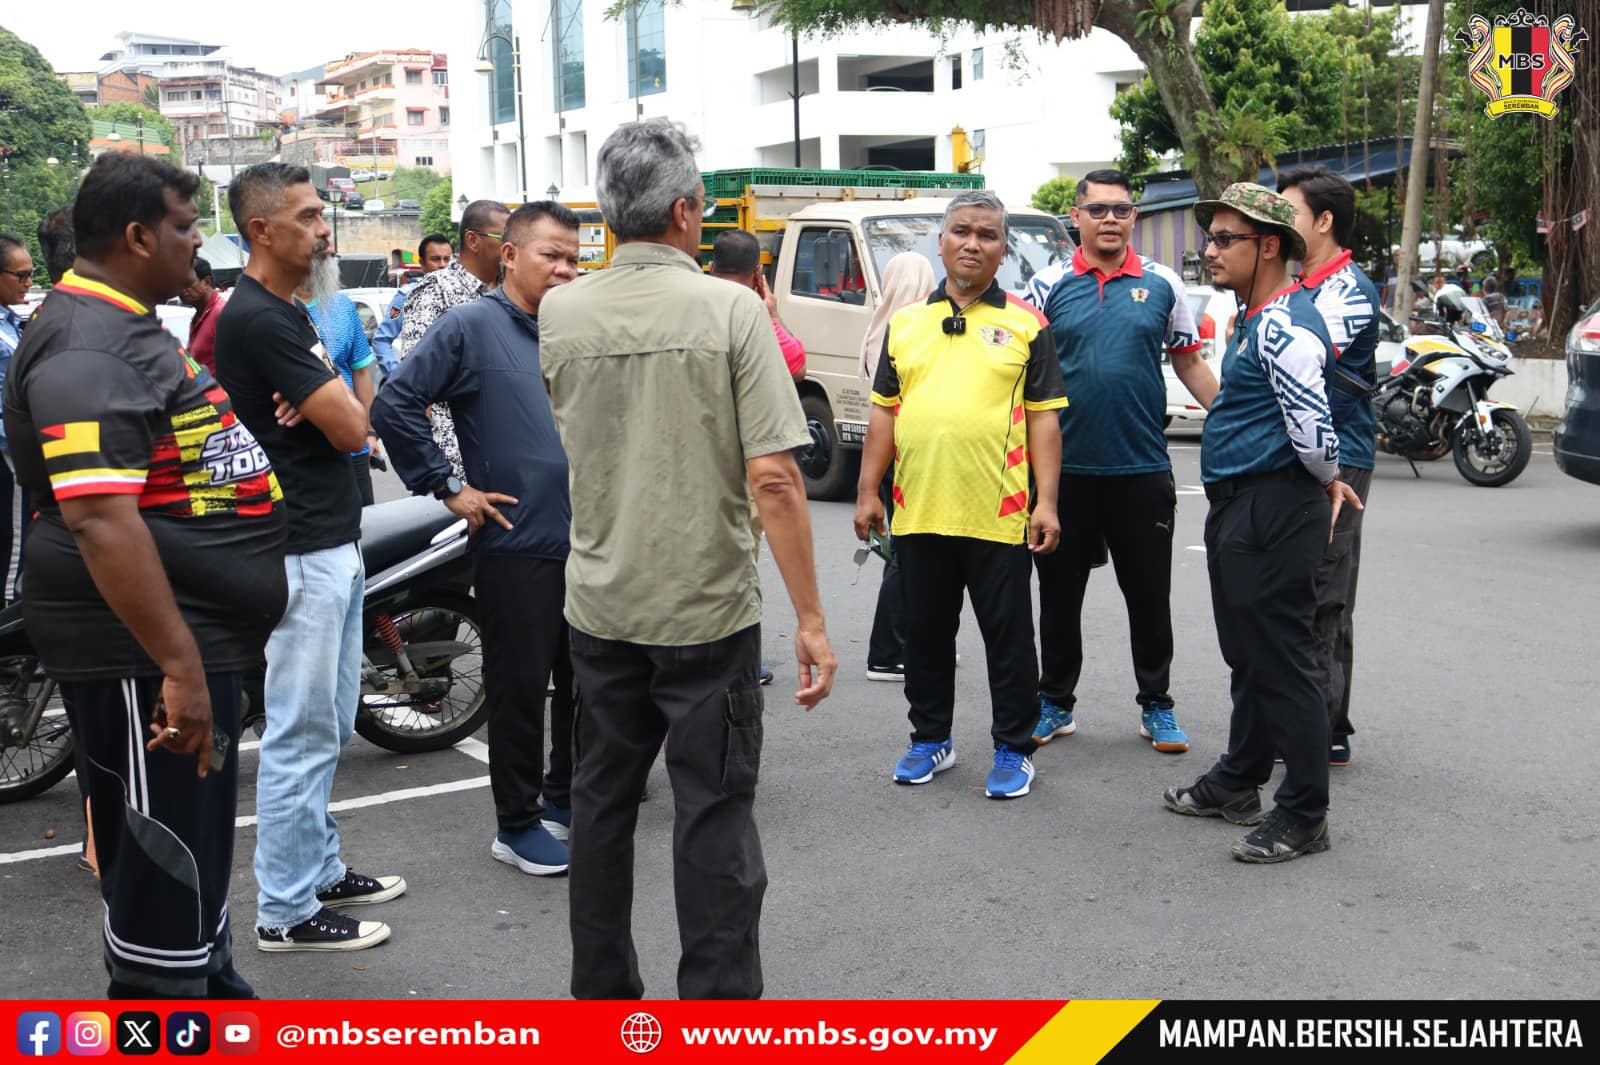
[[891, 97], [150, 53]]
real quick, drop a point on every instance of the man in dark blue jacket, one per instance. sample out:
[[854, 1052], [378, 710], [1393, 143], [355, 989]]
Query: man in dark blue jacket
[[483, 359]]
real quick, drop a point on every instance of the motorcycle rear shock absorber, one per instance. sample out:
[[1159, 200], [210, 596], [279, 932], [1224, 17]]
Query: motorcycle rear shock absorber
[[389, 633]]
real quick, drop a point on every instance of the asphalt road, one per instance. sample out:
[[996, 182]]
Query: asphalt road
[[1464, 846]]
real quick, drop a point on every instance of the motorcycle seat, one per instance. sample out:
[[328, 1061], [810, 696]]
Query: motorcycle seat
[[392, 532]]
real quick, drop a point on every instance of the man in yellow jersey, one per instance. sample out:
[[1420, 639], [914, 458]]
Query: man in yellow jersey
[[965, 400]]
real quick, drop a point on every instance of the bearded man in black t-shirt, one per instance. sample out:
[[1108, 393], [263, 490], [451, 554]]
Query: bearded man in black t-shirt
[[153, 572], [287, 392]]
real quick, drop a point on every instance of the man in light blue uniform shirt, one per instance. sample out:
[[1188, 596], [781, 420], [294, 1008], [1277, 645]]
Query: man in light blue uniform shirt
[[16, 277]]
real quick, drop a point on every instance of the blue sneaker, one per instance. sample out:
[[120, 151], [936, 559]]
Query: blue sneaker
[[557, 821], [1011, 776], [1054, 720], [533, 850], [1159, 725], [1339, 752], [922, 760]]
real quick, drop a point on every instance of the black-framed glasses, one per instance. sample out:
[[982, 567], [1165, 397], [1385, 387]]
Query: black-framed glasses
[[20, 275], [1224, 239], [1098, 211]]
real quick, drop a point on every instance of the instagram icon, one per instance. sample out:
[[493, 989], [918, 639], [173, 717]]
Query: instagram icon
[[88, 1034]]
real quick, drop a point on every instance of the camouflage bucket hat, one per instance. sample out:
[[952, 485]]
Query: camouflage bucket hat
[[1259, 204]]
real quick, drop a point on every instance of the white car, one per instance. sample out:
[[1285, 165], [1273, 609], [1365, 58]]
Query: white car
[[376, 205], [363, 175]]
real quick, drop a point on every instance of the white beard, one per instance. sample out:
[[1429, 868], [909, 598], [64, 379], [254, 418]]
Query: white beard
[[324, 279]]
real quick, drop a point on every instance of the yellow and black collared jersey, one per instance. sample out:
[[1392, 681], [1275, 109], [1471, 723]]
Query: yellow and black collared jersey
[[961, 434]]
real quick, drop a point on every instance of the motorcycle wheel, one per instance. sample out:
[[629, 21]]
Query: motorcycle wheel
[[1491, 469], [409, 724], [27, 771]]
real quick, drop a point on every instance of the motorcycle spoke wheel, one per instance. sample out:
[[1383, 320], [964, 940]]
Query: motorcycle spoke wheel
[[409, 722], [47, 758]]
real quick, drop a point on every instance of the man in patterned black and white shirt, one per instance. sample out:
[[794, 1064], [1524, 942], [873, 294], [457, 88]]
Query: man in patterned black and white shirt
[[475, 271], [1325, 217], [1270, 462]]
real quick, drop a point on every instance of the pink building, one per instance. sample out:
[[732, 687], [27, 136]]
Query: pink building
[[386, 109]]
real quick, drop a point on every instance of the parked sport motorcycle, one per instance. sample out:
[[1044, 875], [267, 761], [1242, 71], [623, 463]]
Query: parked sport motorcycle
[[1435, 401], [422, 656]]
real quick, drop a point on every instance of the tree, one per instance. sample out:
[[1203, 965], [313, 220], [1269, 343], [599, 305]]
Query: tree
[[1056, 195], [39, 120], [157, 129], [436, 209], [414, 182], [1158, 31], [1421, 134]]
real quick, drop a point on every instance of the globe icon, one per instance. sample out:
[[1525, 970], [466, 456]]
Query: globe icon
[[641, 1033]]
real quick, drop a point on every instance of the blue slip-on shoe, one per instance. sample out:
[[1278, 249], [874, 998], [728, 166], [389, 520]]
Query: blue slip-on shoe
[[1011, 776], [557, 821], [766, 676], [533, 850], [1159, 725], [922, 760], [1054, 720], [1339, 752]]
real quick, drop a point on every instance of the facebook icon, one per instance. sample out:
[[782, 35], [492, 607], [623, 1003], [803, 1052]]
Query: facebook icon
[[38, 1034]]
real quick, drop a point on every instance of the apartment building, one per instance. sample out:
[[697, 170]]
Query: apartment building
[[383, 109]]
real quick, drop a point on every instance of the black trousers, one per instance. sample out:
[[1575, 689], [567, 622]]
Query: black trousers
[[936, 570], [1263, 545], [1131, 518], [164, 839], [361, 466], [16, 514], [887, 645], [704, 700], [525, 644], [1336, 606]]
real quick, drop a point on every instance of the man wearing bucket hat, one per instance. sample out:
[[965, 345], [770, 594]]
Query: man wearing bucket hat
[[1269, 459]]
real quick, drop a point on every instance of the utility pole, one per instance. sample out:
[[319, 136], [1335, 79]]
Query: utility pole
[[794, 43], [1417, 175]]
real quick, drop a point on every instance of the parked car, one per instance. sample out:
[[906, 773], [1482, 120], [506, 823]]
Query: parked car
[[372, 304], [376, 205], [363, 175], [1577, 437], [408, 205]]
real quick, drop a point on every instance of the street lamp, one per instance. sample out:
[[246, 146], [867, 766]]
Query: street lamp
[[749, 7], [552, 192], [485, 65], [6, 152]]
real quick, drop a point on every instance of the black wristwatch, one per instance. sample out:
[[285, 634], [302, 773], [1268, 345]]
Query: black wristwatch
[[451, 487]]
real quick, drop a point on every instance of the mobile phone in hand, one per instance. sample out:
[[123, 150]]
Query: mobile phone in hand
[[882, 546]]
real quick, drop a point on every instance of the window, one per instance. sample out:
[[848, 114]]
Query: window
[[568, 41], [174, 97], [502, 83], [826, 266], [197, 95], [416, 118], [444, 116], [213, 94], [980, 142], [977, 64], [955, 72], [424, 160], [413, 77], [647, 49], [441, 77]]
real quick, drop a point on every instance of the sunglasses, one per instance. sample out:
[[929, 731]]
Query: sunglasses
[[20, 275], [1098, 211], [1224, 239]]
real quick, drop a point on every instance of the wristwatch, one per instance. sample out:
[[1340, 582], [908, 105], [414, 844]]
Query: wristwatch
[[451, 487]]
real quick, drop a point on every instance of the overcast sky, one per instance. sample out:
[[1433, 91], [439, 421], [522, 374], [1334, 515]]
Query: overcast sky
[[277, 38]]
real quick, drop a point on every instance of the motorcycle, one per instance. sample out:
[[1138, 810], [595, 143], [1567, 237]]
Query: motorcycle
[[1435, 400], [421, 667]]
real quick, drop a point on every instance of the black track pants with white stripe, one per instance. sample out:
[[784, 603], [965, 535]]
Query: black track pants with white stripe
[[165, 841]]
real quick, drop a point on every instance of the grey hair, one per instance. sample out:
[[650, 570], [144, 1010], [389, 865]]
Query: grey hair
[[642, 170], [976, 198]]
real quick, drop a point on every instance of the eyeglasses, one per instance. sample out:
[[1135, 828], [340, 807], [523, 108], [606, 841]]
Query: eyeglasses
[[20, 275], [708, 207], [484, 233], [1224, 239], [1098, 211]]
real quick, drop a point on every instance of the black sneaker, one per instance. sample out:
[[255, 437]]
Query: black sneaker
[[358, 890], [325, 930], [1204, 799], [1281, 838], [892, 674]]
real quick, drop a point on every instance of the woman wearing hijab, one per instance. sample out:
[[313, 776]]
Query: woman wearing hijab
[[907, 278]]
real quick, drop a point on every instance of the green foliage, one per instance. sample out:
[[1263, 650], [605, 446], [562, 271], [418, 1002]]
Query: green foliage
[[1278, 83], [414, 182], [39, 119], [157, 130], [1155, 22], [436, 208], [1056, 195]]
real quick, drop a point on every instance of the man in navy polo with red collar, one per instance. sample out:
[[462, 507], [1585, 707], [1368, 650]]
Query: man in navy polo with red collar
[[1347, 300], [1112, 313]]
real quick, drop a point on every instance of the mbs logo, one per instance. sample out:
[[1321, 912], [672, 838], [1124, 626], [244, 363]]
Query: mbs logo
[[1523, 61]]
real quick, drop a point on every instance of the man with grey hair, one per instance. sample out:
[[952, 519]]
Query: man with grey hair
[[965, 403], [286, 391], [672, 414]]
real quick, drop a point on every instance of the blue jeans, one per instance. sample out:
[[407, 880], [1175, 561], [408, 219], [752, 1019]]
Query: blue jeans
[[312, 688]]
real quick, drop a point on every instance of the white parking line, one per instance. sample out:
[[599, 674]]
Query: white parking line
[[476, 749]]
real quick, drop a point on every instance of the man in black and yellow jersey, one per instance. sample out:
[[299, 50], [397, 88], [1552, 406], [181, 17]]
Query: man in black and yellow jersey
[[965, 400]]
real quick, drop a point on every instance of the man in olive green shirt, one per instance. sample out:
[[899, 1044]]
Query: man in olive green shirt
[[674, 409]]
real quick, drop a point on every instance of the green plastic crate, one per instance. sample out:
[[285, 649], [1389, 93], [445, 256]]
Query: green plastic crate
[[722, 184]]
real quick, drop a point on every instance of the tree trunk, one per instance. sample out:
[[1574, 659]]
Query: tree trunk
[[1417, 179], [1182, 87]]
